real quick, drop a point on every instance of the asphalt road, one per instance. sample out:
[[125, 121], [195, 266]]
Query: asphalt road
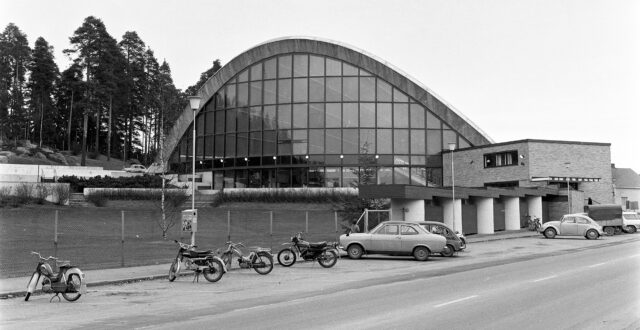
[[529, 283]]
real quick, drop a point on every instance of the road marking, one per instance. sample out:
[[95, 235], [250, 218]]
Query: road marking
[[545, 278], [597, 265], [455, 301]]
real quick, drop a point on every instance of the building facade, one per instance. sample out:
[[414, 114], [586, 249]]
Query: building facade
[[313, 113]]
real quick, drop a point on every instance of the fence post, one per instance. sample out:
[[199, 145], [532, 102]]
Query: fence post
[[306, 222], [335, 216], [271, 228], [228, 225], [122, 242], [55, 235]]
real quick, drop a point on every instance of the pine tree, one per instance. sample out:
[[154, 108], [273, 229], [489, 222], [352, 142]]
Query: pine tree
[[192, 90], [44, 74], [14, 56]]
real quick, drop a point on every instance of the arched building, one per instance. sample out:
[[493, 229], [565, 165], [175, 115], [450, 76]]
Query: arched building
[[305, 112]]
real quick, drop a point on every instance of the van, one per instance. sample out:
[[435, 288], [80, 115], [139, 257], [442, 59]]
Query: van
[[630, 222]]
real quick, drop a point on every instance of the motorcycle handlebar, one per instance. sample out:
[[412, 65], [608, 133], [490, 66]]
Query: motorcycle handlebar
[[43, 258]]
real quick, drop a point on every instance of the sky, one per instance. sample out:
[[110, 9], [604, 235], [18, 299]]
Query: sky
[[543, 69]]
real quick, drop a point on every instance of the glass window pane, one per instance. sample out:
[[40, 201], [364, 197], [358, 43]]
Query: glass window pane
[[218, 150], [269, 143], [230, 146], [334, 118], [316, 65], [385, 175], [384, 91], [256, 93], [210, 123], [401, 160], [334, 89], [231, 120], [449, 136], [334, 67], [383, 141], [365, 73], [400, 141], [349, 70], [300, 115], [284, 142], [284, 90], [316, 89], [400, 115], [316, 141], [243, 119], [316, 115], [401, 175], [434, 144], [300, 90], [418, 160], [199, 148], [300, 65], [350, 141], [432, 121], [367, 114], [349, 177], [269, 119], [300, 142], [384, 115], [417, 116], [256, 72], [208, 148], [350, 115], [399, 96], [220, 99], [417, 142], [243, 95], [220, 122], [419, 176], [255, 119], [367, 141], [230, 96], [270, 69], [333, 177], [284, 116], [333, 141], [269, 92], [243, 76], [350, 89], [200, 124], [367, 89], [284, 66], [242, 147], [255, 144]]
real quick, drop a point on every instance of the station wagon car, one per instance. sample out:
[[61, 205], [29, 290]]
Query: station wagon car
[[455, 241], [394, 238], [572, 225]]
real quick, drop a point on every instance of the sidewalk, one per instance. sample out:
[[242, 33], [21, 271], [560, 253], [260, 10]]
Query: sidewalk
[[16, 286]]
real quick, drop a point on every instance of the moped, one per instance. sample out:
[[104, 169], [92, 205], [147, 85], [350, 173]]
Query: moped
[[260, 259], [325, 253], [68, 281], [200, 262]]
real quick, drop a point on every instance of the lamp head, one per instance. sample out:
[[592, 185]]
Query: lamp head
[[194, 102], [452, 146]]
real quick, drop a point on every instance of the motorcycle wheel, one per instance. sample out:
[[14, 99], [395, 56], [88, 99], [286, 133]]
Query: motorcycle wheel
[[287, 257], [214, 271], [75, 282], [174, 269], [267, 259], [328, 258]]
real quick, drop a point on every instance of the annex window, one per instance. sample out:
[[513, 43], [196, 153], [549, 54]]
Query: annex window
[[499, 159]]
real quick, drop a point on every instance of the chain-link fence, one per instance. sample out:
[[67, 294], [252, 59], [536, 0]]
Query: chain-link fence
[[97, 238]]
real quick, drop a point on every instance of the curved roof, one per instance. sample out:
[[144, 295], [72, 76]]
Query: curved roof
[[341, 51]]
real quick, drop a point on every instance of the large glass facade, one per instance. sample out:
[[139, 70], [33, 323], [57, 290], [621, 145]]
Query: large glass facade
[[304, 120]]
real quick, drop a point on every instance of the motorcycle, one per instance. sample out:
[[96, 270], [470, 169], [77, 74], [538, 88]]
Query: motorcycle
[[325, 253], [200, 262], [260, 259], [69, 281]]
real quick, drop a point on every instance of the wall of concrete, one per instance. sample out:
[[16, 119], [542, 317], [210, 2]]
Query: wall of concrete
[[52, 189], [35, 173]]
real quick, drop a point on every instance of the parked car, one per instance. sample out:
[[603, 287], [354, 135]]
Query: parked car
[[455, 241], [394, 238], [572, 225], [631, 221], [136, 168]]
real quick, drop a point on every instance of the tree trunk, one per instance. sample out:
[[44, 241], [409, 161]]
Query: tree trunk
[[109, 134], [98, 113], [70, 121], [83, 160], [41, 116]]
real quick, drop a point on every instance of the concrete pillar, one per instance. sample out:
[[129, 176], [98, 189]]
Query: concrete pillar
[[457, 224], [534, 207], [485, 215], [511, 213], [413, 209], [448, 209]]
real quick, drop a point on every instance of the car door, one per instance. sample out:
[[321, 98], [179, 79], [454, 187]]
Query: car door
[[386, 239], [409, 237], [582, 225], [568, 226]]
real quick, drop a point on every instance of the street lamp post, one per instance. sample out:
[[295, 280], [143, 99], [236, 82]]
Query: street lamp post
[[568, 187], [194, 102], [452, 147]]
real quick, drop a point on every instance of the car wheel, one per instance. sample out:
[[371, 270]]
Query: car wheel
[[447, 251], [421, 253], [609, 231], [591, 234], [632, 229], [550, 233], [355, 251]]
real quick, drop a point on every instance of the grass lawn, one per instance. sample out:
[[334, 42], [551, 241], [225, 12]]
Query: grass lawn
[[91, 237]]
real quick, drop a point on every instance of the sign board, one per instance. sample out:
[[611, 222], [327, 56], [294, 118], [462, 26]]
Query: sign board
[[190, 220]]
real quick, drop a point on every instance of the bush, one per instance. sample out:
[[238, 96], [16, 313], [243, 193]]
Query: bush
[[62, 191], [5, 196], [24, 192], [42, 191], [176, 198], [285, 196], [97, 200], [145, 181]]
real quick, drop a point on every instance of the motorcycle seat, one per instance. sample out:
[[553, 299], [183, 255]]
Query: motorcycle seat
[[197, 254], [318, 245]]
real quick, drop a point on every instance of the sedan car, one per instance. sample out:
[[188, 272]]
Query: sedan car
[[455, 241], [572, 225], [394, 238], [136, 168]]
